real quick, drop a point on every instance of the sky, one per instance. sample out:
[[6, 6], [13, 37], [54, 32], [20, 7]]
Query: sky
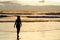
[[35, 2]]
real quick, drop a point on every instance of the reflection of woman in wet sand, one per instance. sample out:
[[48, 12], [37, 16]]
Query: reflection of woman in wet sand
[[18, 25]]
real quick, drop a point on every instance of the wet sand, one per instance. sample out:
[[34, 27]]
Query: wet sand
[[31, 31]]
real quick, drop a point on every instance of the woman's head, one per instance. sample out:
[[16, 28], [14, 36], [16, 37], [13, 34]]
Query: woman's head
[[18, 20], [18, 17]]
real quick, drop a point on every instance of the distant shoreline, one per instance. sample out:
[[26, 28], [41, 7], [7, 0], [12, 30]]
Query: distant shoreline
[[36, 21]]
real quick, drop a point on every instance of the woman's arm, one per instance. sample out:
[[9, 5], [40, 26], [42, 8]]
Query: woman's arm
[[14, 24], [21, 24]]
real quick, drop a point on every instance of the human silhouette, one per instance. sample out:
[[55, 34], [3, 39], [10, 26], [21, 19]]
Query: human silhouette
[[18, 25], [17, 38]]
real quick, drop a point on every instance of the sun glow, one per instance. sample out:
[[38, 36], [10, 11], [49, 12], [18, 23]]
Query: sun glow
[[36, 2]]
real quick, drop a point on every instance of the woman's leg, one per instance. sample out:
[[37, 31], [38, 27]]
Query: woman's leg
[[18, 30]]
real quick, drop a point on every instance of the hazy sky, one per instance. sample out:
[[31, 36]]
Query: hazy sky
[[35, 2]]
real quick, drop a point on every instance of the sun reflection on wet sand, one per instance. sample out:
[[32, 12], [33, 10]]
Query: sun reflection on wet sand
[[31, 31]]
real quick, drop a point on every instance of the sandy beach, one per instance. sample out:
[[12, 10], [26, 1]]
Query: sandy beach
[[31, 31]]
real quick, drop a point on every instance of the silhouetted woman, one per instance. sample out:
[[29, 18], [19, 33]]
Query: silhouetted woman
[[18, 25]]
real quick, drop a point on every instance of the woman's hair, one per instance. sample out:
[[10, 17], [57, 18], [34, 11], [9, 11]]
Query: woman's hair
[[18, 18]]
